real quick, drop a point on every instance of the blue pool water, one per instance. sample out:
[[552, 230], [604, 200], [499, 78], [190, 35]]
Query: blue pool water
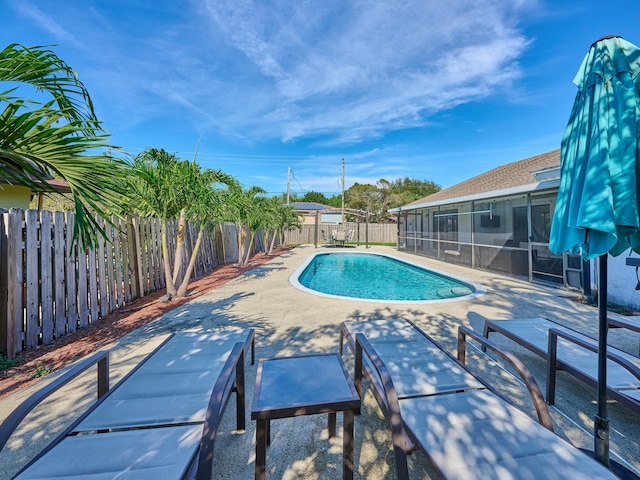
[[378, 277]]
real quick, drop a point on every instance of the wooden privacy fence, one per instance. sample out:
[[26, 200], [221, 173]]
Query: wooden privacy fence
[[50, 287], [378, 233]]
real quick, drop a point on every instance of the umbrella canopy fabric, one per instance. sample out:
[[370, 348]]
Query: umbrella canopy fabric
[[597, 208]]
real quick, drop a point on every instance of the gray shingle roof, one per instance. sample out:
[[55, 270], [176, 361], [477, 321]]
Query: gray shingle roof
[[511, 175]]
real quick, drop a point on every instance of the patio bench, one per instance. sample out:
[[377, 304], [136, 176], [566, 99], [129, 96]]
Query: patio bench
[[568, 350], [159, 421], [627, 323], [434, 403]]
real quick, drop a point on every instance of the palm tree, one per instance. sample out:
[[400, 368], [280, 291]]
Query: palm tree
[[240, 210], [205, 210], [60, 138], [168, 188], [154, 191], [277, 218], [256, 219], [289, 219]]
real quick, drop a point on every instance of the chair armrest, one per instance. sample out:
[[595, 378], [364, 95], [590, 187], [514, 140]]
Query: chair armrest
[[15, 418], [217, 404], [399, 437], [532, 386], [615, 323], [552, 359]]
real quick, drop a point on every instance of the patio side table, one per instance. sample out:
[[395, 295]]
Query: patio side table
[[304, 385]]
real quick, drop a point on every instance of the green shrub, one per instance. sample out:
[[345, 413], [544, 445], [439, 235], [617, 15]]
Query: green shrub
[[6, 362], [42, 370]]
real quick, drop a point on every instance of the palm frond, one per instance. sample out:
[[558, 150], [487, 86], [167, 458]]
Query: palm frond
[[42, 68]]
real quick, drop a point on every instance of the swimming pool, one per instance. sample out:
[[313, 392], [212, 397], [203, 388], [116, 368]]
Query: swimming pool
[[375, 277]]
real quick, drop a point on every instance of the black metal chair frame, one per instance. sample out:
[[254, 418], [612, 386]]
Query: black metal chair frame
[[383, 389], [231, 380], [554, 364]]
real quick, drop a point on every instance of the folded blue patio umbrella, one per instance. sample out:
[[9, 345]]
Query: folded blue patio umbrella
[[597, 209]]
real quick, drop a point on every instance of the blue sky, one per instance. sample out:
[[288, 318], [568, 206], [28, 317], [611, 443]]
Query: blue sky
[[427, 89]]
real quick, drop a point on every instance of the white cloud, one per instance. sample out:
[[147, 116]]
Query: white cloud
[[338, 72], [353, 71]]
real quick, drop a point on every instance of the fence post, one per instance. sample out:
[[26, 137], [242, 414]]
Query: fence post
[[70, 262], [60, 281], [4, 263], [134, 258], [32, 301], [14, 283], [46, 277]]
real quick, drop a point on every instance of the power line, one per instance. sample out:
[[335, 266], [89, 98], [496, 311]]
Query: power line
[[296, 179], [243, 158]]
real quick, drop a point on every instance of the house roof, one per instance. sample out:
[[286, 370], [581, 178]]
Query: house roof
[[309, 206], [60, 186], [506, 179]]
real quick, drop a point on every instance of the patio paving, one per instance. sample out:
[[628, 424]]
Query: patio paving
[[290, 322]]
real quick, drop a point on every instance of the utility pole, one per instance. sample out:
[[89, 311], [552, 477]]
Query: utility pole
[[288, 183], [342, 182]]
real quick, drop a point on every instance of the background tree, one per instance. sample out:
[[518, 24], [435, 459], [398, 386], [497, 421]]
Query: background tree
[[316, 197], [293, 197], [366, 197], [60, 138], [406, 190], [335, 201], [379, 198]]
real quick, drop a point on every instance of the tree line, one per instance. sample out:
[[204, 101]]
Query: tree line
[[376, 199]]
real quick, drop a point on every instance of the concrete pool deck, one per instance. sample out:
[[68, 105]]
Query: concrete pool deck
[[289, 322]]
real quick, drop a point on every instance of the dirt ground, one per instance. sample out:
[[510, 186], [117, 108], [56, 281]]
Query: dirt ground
[[49, 358]]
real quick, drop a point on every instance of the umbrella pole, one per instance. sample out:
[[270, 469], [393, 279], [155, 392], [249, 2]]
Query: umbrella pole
[[601, 422]]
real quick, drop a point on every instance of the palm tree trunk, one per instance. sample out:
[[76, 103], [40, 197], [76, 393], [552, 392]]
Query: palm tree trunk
[[182, 225], [240, 231], [274, 234], [224, 254], [248, 256], [171, 286], [182, 291]]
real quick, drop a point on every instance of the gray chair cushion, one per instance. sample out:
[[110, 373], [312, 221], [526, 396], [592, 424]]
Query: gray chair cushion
[[151, 454], [478, 435]]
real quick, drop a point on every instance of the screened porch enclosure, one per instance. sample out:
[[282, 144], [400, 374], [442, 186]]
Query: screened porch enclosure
[[507, 234]]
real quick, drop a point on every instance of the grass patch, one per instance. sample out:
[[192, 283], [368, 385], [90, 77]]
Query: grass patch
[[6, 362], [375, 244]]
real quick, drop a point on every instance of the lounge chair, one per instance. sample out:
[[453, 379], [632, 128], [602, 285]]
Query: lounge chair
[[574, 353], [435, 404], [159, 421], [628, 323]]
